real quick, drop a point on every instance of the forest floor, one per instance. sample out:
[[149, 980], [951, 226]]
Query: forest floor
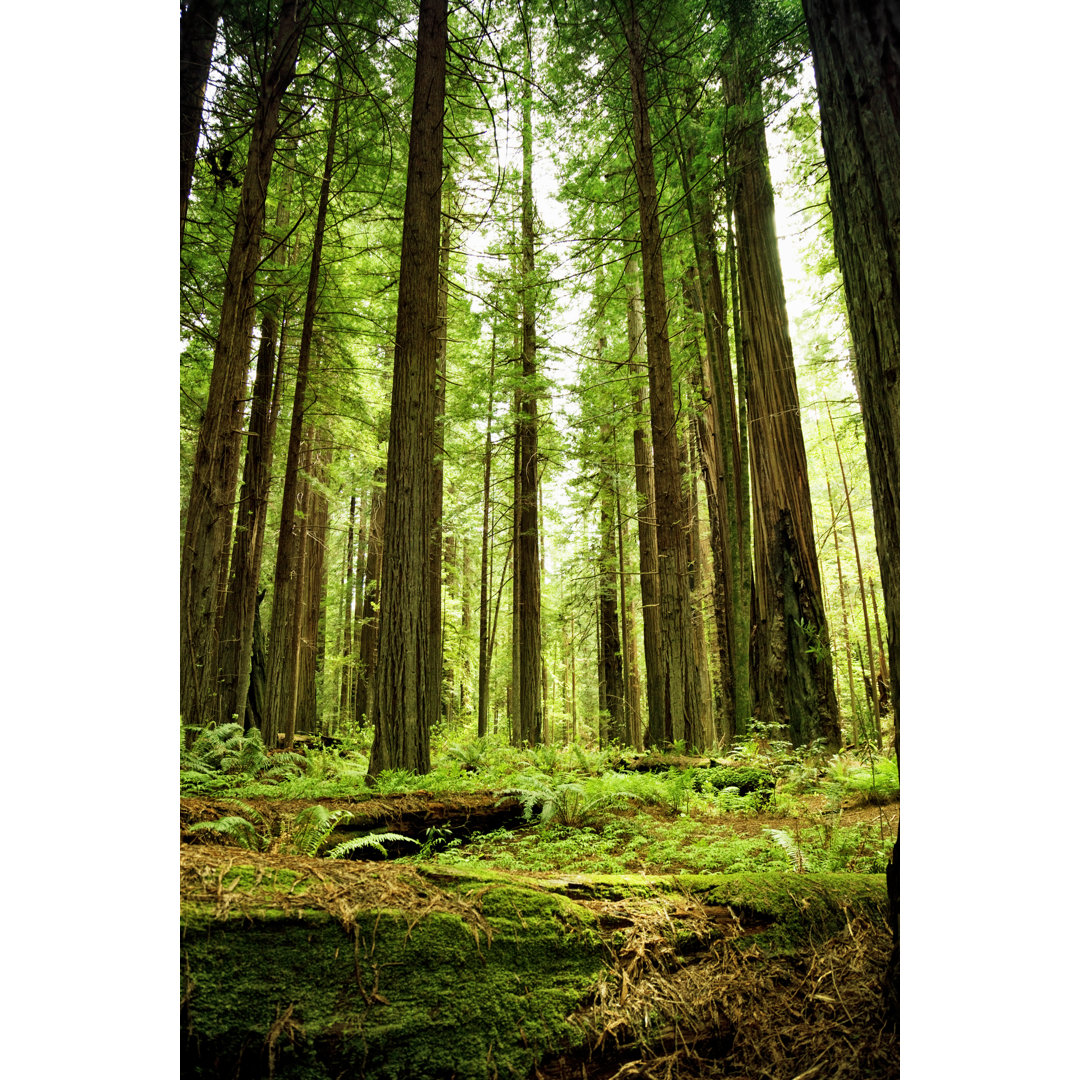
[[736, 1013]]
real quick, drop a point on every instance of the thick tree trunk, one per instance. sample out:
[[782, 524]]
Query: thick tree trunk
[[856, 47], [288, 582], [198, 30], [403, 712], [367, 653], [793, 669], [213, 481], [678, 679]]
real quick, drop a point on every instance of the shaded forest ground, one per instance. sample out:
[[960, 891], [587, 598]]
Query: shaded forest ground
[[637, 842]]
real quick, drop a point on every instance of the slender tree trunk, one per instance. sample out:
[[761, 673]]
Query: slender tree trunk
[[844, 616], [613, 691], [367, 653], [245, 566], [646, 521], [485, 549], [436, 659], [403, 711], [198, 30], [793, 668], [633, 687], [527, 565], [856, 47], [347, 618], [679, 680], [213, 481], [311, 640], [875, 706], [288, 581]]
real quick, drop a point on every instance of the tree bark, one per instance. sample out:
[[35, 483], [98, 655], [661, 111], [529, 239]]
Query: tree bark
[[678, 679], [347, 616], [612, 700], [213, 481], [646, 520], [367, 653], [198, 31], [485, 559], [288, 581], [856, 48], [403, 711], [527, 563], [792, 667]]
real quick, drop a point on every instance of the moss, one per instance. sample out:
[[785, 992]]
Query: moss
[[803, 909], [454, 974], [393, 998]]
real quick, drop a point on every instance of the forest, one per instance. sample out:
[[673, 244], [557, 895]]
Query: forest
[[539, 575]]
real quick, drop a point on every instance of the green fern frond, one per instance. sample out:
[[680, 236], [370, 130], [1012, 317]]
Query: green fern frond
[[372, 840], [236, 828], [311, 828], [791, 848]]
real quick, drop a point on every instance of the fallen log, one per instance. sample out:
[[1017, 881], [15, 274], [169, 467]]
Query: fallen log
[[302, 968]]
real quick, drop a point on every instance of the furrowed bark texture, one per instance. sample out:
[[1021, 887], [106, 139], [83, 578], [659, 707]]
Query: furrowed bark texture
[[403, 711], [213, 481], [792, 669], [856, 47], [198, 29], [678, 677]]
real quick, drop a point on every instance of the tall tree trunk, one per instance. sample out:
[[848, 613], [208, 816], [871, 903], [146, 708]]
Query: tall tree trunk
[[436, 645], [213, 481], [875, 705], [347, 617], [403, 711], [633, 687], [367, 654], [646, 520], [198, 31], [527, 564], [679, 680], [612, 700], [312, 641], [288, 582], [792, 666], [844, 616], [485, 551], [245, 566], [856, 47]]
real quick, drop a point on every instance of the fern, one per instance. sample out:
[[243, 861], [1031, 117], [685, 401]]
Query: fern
[[238, 829], [310, 830], [791, 848], [372, 840]]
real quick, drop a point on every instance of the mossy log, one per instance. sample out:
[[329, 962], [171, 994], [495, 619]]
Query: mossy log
[[300, 968]]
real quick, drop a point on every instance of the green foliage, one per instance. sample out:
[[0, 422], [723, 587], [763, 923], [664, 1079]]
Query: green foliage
[[373, 841], [238, 829], [834, 849], [575, 804], [223, 757], [874, 780]]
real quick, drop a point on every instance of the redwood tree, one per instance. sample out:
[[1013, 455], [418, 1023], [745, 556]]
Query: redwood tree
[[402, 709], [214, 472], [856, 47], [791, 665]]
